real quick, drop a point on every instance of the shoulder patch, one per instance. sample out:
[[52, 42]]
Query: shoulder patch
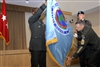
[[82, 42]]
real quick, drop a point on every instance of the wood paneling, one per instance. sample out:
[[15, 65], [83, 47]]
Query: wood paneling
[[15, 58], [21, 58], [67, 13]]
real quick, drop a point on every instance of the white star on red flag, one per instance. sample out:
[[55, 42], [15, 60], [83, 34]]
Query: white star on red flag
[[7, 25], [4, 17]]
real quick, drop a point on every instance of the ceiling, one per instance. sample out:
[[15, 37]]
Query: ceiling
[[66, 5]]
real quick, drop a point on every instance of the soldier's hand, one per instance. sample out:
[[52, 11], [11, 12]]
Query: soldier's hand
[[69, 59], [45, 3], [75, 35]]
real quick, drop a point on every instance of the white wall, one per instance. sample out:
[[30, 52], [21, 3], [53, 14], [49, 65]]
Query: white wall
[[94, 17], [28, 33], [76, 5]]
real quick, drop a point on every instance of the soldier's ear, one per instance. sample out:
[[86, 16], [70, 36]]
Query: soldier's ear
[[82, 26], [84, 16]]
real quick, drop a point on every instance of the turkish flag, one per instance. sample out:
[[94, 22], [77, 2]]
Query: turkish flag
[[4, 24]]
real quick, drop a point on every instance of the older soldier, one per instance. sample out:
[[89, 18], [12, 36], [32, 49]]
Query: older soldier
[[81, 16], [88, 36]]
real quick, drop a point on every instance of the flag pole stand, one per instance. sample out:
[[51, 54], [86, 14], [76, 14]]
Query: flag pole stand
[[4, 53]]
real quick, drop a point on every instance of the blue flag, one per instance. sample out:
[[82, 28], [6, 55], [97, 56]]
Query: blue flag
[[58, 33]]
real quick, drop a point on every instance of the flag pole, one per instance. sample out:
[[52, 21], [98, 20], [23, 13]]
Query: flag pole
[[4, 52]]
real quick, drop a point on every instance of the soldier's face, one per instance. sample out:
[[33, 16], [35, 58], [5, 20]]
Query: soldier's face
[[35, 10], [79, 27], [81, 16]]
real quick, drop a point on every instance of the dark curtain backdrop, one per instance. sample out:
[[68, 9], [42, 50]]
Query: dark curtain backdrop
[[16, 26]]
